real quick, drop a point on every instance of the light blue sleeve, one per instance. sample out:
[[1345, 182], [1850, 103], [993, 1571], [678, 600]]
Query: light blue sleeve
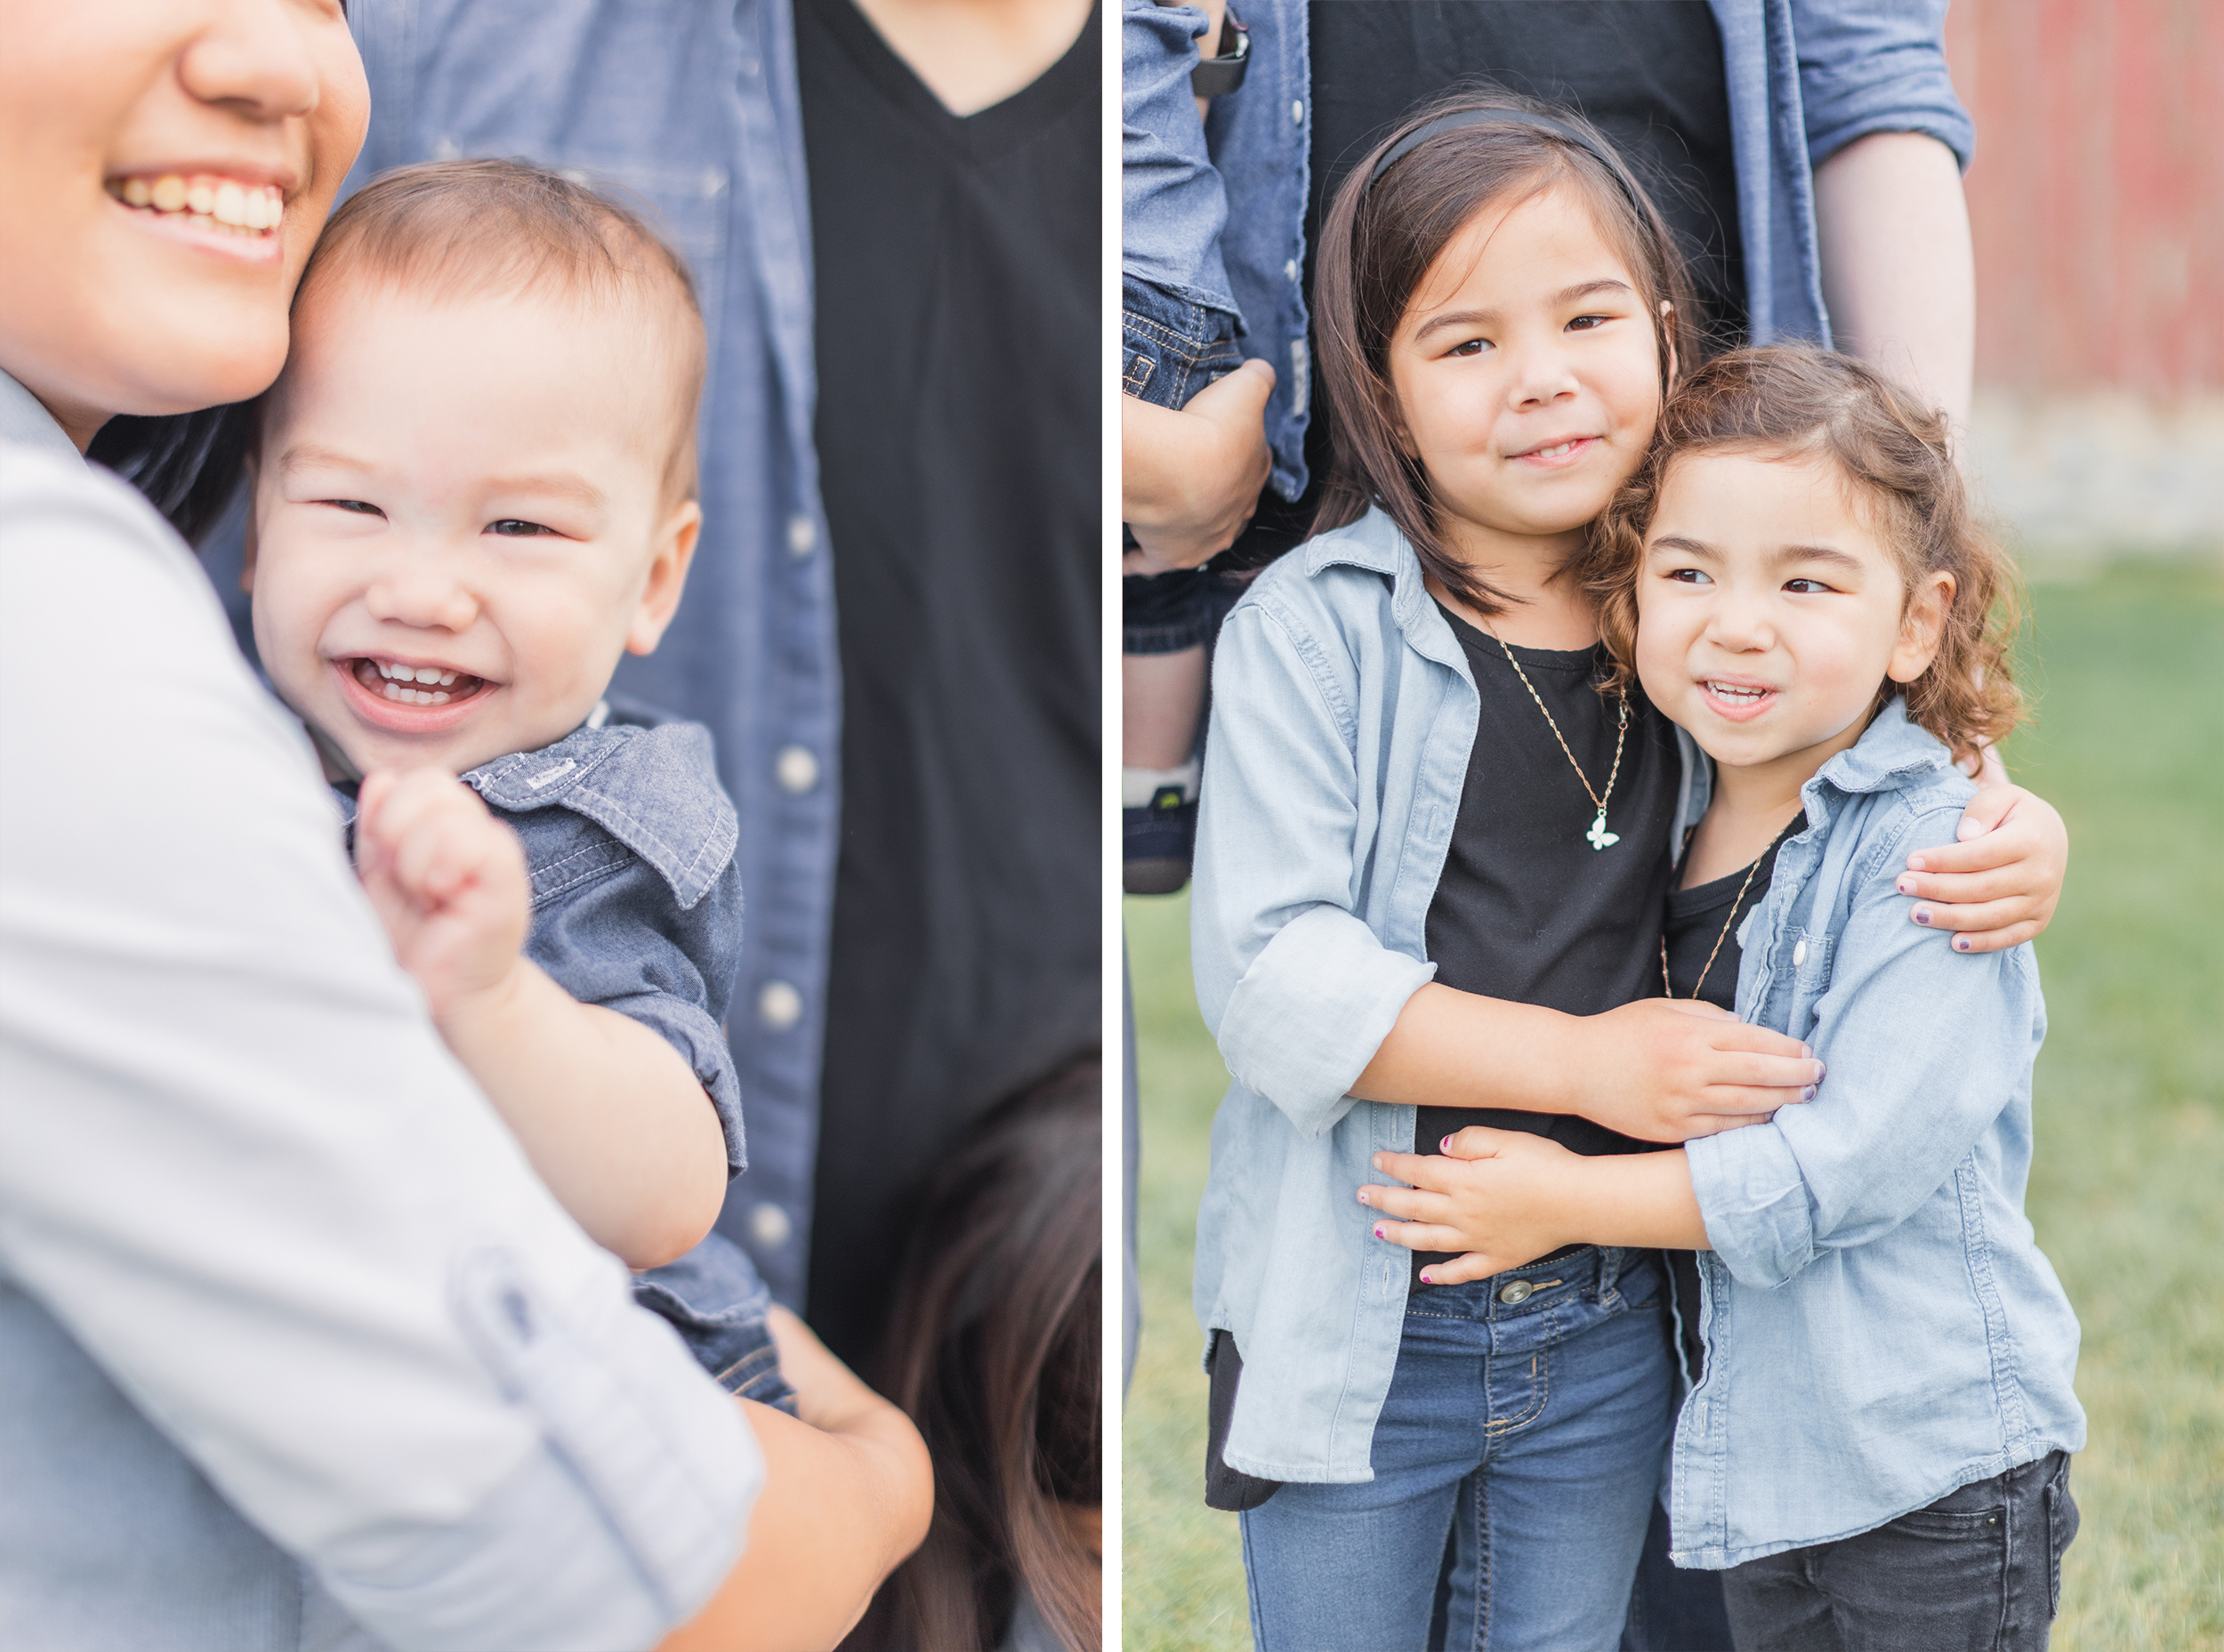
[[1871, 66], [1923, 1047], [1295, 987]]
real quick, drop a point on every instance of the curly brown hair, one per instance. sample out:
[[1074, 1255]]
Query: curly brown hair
[[1794, 401]]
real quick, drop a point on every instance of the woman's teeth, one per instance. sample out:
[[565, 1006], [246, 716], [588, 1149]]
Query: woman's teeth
[[204, 199], [412, 685]]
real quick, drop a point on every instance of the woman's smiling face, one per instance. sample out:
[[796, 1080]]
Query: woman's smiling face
[[165, 168], [1527, 370]]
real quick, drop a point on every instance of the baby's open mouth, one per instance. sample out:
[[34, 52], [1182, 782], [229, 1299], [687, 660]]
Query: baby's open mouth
[[205, 200], [415, 685]]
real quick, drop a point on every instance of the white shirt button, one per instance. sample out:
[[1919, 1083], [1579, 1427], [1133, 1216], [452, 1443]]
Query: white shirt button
[[795, 769], [1297, 112], [779, 1006], [1799, 953], [1291, 270], [803, 536], [769, 1226]]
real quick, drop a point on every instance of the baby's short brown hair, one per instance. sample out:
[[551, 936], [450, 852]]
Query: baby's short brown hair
[[468, 228], [1790, 401]]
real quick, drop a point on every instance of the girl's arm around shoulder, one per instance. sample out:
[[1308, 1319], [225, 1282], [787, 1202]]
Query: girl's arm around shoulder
[[1924, 1048], [1296, 988]]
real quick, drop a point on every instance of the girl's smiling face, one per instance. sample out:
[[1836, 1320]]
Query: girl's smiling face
[[1527, 373], [1769, 608]]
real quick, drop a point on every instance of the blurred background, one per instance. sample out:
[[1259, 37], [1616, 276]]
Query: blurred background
[[2096, 200]]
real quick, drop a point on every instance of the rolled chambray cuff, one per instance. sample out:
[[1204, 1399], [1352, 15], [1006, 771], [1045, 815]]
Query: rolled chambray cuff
[[1310, 1011], [1759, 1217]]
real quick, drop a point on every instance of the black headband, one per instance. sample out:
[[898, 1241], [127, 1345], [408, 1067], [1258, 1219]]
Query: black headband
[[1460, 118]]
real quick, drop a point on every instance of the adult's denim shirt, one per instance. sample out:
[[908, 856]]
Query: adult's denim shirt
[[1880, 1326], [1806, 77], [1343, 716], [691, 110]]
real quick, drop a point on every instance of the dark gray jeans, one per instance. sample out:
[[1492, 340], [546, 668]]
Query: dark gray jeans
[[1979, 1570]]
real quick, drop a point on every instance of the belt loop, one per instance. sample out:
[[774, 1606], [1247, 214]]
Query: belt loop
[[1609, 1269]]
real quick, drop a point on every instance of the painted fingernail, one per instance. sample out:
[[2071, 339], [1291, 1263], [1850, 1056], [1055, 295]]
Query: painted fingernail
[[1428, 1279], [1378, 1229], [1961, 943], [1808, 1094], [1446, 1144], [1905, 886], [1362, 1196], [1923, 915]]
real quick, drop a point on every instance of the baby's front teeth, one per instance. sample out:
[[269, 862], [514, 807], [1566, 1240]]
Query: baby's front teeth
[[414, 696]]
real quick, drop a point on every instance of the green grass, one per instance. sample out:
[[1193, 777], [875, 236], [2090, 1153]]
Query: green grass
[[2128, 671]]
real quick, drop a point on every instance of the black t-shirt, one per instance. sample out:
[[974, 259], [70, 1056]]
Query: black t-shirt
[[957, 282], [1648, 72], [1526, 909], [1702, 922]]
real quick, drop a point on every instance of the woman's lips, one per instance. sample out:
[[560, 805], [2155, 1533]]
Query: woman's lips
[[409, 699], [1736, 702]]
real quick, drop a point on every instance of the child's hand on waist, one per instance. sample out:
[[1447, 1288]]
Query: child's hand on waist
[[448, 882], [1501, 1197]]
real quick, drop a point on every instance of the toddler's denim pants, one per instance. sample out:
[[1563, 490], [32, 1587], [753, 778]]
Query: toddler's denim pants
[[714, 1299], [1527, 1422], [1979, 1570]]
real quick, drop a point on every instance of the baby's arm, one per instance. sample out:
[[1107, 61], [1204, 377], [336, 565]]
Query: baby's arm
[[609, 1114]]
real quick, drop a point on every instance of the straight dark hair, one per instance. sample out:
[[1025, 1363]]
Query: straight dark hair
[[1378, 241], [996, 1353], [188, 464]]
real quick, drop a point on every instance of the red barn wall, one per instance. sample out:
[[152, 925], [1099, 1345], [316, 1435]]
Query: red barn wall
[[2097, 193]]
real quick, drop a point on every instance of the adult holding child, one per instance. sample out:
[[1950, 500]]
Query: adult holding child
[[294, 1346]]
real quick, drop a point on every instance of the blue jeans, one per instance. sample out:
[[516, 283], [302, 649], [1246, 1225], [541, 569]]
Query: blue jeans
[[1171, 349], [1527, 1436]]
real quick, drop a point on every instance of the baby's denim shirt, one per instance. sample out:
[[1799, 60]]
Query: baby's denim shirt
[[629, 842]]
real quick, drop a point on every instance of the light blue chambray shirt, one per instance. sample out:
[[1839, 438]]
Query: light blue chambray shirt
[[691, 109], [1344, 714], [1881, 1325], [1224, 224]]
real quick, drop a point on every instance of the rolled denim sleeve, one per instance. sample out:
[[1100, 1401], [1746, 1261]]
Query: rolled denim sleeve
[[239, 1170], [1923, 1047], [1869, 66], [1295, 987]]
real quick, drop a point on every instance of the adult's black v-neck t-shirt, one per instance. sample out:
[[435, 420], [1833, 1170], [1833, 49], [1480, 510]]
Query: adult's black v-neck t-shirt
[[1648, 72], [958, 297]]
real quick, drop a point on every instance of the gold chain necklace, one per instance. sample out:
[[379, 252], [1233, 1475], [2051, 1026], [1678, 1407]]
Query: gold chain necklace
[[1598, 837], [1664, 985]]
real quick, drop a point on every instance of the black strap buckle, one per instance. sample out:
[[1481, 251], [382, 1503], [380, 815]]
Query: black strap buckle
[[1218, 76]]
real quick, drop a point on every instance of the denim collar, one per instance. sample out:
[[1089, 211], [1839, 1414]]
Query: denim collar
[[24, 418], [1377, 544], [1891, 754], [655, 789]]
